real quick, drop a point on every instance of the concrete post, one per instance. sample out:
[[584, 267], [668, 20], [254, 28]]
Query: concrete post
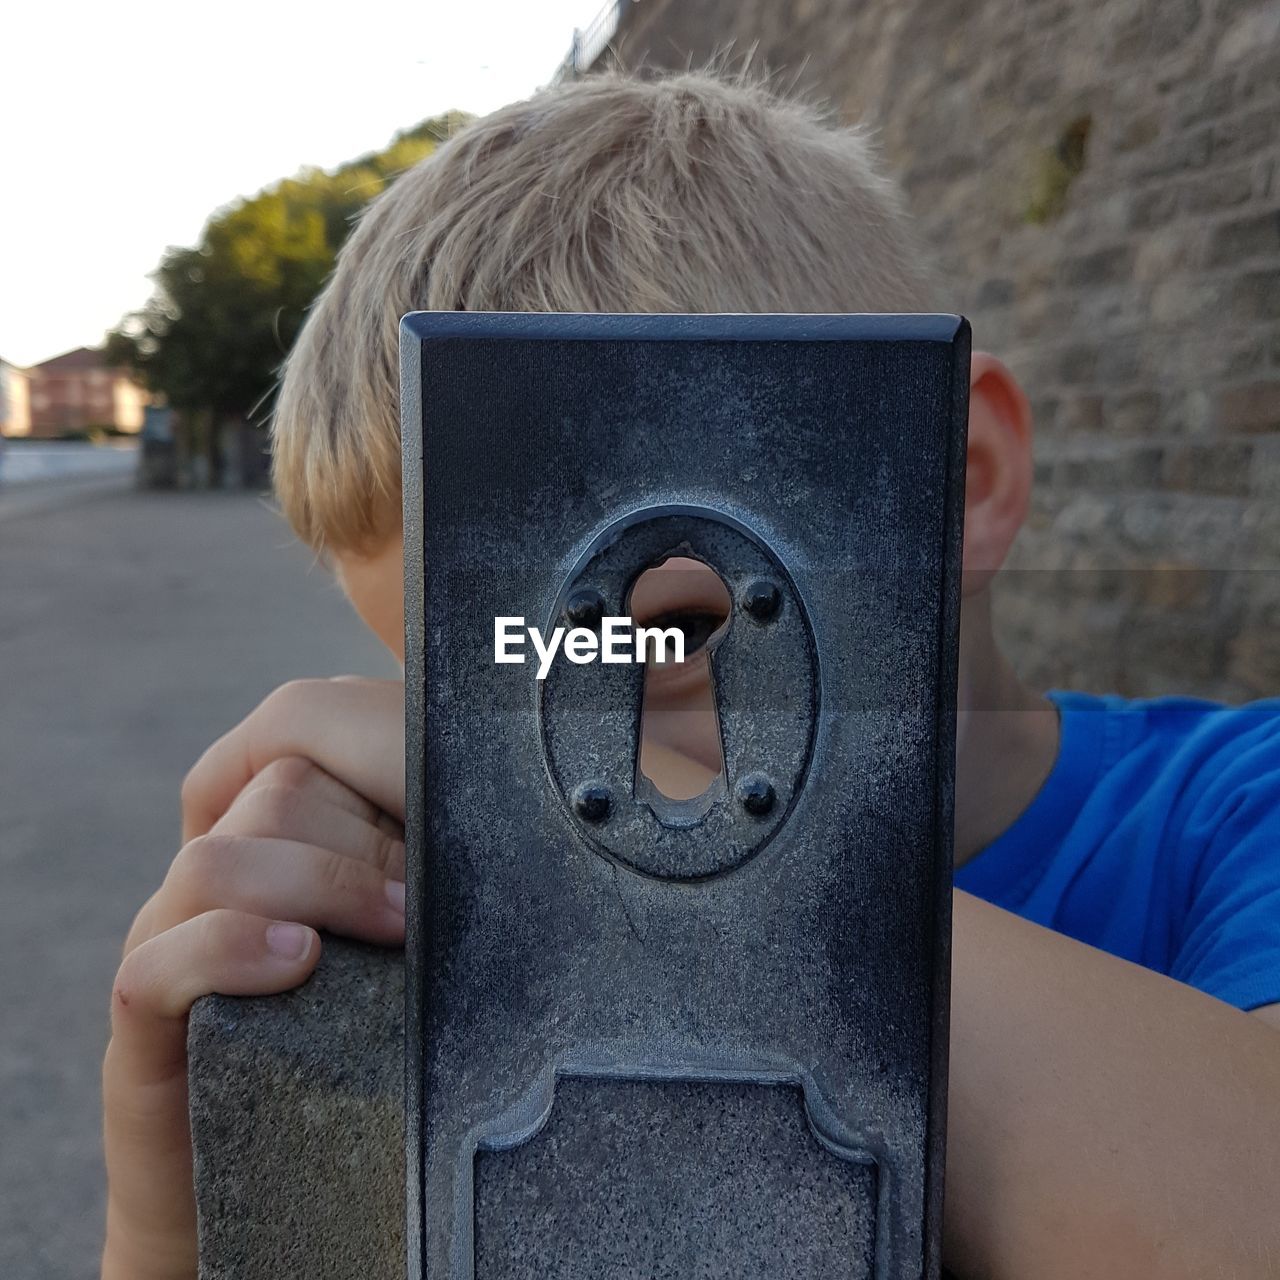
[[297, 1125]]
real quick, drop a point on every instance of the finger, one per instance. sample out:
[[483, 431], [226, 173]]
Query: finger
[[282, 878], [390, 826], [353, 729], [306, 816], [297, 773], [148, 1152], [224, 951]]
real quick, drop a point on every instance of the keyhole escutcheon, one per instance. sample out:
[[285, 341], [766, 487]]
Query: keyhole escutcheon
[[680, 769]]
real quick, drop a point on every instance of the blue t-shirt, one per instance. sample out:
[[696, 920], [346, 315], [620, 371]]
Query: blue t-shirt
[[1156, 837]]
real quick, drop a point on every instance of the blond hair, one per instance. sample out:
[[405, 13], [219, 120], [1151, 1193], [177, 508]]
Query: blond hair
[[693, 192]]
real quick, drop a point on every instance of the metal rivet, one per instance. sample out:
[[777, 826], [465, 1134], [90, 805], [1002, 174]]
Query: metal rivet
[[592, 801], [756, 794], [762, 600], [585, 609]]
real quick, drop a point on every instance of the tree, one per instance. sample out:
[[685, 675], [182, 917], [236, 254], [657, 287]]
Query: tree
[[226, 311]]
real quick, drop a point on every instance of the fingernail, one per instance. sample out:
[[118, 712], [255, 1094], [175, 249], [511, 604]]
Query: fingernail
[[289, 941], [395, 894]]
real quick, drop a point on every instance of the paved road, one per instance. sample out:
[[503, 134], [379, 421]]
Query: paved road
[[24, 462], [38, 476], [134, 628]]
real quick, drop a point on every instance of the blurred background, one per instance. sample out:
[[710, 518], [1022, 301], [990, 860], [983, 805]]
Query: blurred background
[[1099, 181]]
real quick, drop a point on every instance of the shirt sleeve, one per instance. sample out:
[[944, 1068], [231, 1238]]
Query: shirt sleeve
[[1230, 941]]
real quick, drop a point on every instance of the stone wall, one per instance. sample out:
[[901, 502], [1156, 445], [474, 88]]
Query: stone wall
[[1100, 182]]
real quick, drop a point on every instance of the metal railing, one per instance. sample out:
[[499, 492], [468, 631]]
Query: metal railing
[[591, 41]]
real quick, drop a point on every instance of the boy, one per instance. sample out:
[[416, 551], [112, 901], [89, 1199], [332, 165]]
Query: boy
[[1111, 1113]]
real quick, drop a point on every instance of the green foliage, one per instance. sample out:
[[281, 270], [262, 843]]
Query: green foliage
[[226, 311], [1054, 170]]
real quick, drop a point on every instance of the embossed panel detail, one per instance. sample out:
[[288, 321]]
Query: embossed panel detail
[[632, 1180]]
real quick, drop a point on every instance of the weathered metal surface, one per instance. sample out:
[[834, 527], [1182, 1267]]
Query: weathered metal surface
[[766, 685], [712, 1049]]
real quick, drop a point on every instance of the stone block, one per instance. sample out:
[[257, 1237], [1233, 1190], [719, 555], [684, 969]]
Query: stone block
[[1246, 238], [1154, 206], [1245, 135], [1080, 413], [1253, 407], [1245, 356], [1077, 364], [1175, 652], [1137, 131], [1133, 413], [1103, 266], [1180, 304], [1194, 528], [1173, 586], [1249, 37], [1111, 469], [1207, 100], [1265, 169], [1151, 29], [1254, 656], [297, 1125], [995, 292], [1164, 252], [1186, 152], [1256, 296], [1122, 360], [1260, 523], [1217, 467], [1266, 476], [1219, 189]]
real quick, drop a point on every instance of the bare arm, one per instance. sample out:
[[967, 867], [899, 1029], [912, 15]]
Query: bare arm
[[1270, 1015], [1104, 1120]]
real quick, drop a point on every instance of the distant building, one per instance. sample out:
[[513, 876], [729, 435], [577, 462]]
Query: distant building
[[79, 391], [15, 400]]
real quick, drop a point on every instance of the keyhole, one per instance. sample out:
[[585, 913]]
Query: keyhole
[[680, 761]]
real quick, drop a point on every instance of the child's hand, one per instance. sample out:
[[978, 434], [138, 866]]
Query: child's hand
[[352, 728], [280, 840]]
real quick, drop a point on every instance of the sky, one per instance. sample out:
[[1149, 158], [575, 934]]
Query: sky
[[125, 125]]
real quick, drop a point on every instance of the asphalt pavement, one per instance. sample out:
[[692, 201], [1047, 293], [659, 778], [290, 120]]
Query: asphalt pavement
[[134, 629], [26, 462]]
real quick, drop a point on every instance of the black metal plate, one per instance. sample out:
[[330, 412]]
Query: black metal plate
[[684, 1019], [766, 682]]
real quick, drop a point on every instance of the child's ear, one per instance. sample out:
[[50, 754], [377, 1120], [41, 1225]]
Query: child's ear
[[997, 471]]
